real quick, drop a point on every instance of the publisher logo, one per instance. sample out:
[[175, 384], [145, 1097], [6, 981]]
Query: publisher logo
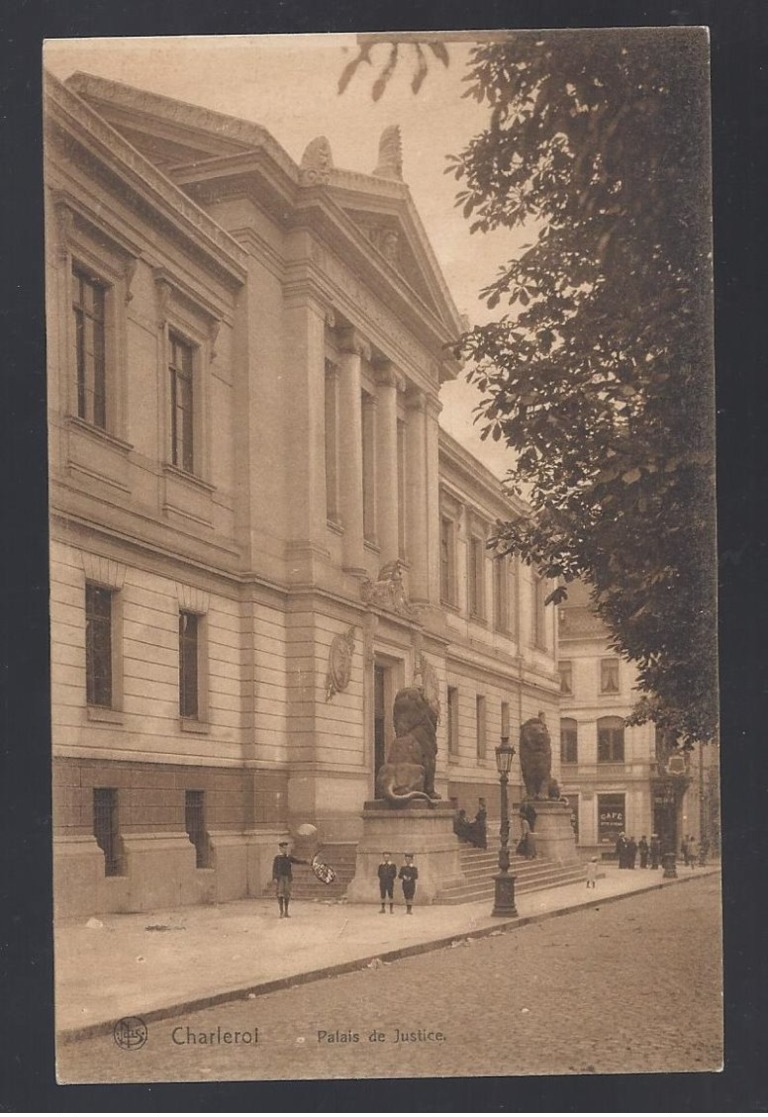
[[130, 1033]]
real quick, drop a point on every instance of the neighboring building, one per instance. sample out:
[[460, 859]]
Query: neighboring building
[[617, 777], [258, 530]]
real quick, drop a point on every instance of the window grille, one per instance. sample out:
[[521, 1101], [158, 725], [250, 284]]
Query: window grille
[[194, 823], [106, 829]]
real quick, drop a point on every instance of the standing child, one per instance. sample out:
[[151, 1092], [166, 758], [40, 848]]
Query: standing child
[[282, 875], [592, 872], [387, 874], [408, 874]]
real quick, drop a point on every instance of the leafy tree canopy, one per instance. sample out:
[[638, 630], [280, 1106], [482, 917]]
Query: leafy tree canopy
[[598, 370]]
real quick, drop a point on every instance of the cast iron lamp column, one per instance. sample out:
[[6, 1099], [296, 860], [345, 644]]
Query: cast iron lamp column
[[504, 902]]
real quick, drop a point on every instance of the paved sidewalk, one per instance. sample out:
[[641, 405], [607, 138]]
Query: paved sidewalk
[[159, 964]]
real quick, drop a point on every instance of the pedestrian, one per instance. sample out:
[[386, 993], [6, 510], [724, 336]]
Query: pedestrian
[[387, 874], [693, 852], [631, 852], [684, 849], [282, 876], [655, 851], [481, 824], [621, 850], [408, 874], [461, 825], [642, 848], [592, 872]]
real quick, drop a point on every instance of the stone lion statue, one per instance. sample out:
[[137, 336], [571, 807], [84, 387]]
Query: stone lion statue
[[536, 757], [409, 771]]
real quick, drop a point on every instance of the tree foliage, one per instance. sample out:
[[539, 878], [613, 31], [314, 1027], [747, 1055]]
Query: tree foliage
[[598, 370]]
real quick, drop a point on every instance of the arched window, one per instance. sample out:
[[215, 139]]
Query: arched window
[[610, 740], [569, 741]]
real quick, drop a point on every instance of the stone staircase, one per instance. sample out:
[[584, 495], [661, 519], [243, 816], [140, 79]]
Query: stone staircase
[[480, 865], [341, 857]]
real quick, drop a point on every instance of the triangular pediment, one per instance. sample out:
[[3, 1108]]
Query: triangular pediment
[[167, 132], [390, 240]]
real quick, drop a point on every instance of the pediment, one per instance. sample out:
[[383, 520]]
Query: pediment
[[169, 133], [389, 239]]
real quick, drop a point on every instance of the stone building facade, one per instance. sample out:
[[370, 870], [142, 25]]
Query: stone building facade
[[620, 777], [259, 530]]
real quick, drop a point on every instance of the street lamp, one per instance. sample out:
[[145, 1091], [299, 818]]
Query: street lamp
[[504, 898]]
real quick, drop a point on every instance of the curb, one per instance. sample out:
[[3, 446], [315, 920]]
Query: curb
[[195, 1004]]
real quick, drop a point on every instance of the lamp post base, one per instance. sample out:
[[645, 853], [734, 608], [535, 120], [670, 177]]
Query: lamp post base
[[504, 900], [668, 864]]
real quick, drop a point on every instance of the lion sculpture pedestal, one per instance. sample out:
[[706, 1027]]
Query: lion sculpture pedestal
[[427, 833], [553, 832]]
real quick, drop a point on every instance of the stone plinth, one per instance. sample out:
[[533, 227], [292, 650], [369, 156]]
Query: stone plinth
[[427, 833], [553, 831]]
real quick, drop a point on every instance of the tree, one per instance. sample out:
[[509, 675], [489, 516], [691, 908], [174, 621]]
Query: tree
[[598, 372]]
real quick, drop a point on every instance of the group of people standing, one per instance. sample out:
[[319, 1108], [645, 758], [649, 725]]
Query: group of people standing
[[694, 852], [388, 874], [627, 851], [476, 831]]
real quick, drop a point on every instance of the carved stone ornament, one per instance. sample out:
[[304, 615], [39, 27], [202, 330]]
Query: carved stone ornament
[[388, 591], [316, 163], [390, 164], [65, 220], [340, 663]]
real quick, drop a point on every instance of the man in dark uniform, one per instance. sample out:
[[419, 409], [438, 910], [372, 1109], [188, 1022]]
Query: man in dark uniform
[[387, 874], [408, 874], [480, 826], [655, 851], [642, 847], [621, 851], [282, 875], [631, 853]]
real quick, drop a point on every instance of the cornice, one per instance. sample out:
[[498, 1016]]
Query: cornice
[[105, 144], [474, 474]]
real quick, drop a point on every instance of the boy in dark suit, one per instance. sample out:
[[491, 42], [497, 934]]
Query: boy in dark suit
[[387, 874], [408, 874], [282, 875]]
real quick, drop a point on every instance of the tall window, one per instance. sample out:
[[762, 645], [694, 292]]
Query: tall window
[[609, 676], [565, 670], [189, 683], [402, 489], [106, 829], [182, 403], [476, 577], [447, 561], [480, 726], [453, 720], [610, 740], [505, 719], [331, 442], [368, 405], [194, 824], [501, 594], [569, 741], [90, 345], [538, 611], [98, 645]]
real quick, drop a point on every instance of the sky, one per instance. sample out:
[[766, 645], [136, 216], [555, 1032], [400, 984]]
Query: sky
[[288, 84]]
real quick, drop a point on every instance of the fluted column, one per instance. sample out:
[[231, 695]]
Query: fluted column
[[416, 456], [386, 461], [350, 442]]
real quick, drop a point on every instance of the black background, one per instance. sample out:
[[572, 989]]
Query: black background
[[739, 36]]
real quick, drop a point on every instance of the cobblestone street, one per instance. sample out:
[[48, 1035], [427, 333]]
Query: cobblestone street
[[626, 987]]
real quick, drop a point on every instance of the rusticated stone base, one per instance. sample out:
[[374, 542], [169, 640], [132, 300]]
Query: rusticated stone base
[[426, 832]]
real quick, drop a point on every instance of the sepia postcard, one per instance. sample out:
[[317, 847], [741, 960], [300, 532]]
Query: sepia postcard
[[380, 417]]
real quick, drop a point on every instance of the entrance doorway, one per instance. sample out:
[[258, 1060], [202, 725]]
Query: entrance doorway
[[665, 816]]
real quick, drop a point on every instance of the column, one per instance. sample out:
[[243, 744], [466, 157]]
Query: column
[[433, 409], [416, 456], [350, 442], [386, 461]]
